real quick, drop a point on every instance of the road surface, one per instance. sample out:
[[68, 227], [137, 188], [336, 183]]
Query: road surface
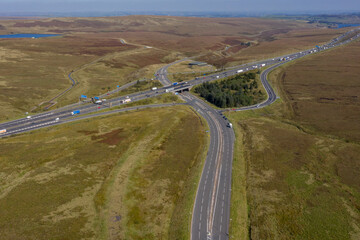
[[211, 212]]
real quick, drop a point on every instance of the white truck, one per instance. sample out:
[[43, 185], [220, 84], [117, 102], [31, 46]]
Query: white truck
[[127, 100], [263, 65], [154, 88], [240, 71], [169, 89], [229, 125]]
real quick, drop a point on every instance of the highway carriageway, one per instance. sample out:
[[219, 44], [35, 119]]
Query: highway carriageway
[[84, 108], [211, 212], [42, 119], [68, 119]]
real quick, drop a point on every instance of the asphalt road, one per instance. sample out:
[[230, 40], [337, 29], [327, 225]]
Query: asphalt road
[[47, 123], [161, 74], [211, 212]]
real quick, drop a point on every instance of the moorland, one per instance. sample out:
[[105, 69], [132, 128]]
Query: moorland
[[297, 161]]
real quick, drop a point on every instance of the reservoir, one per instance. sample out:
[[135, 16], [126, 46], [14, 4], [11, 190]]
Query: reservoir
[[28, 35], [347, 25]]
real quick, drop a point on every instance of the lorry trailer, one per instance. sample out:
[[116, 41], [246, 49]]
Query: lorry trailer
[[75, 112]]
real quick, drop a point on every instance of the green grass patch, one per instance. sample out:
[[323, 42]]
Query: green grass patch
[[81, 180], [140, 86]]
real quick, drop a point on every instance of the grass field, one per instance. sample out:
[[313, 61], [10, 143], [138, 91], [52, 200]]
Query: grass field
[[273, 45], [124, 176], [328, 88], [183, 71], [301, 168], [140, 86], [117, 69]]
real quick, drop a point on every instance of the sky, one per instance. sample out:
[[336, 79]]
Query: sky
[[240, 6]]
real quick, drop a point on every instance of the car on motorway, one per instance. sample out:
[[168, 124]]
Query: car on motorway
[[28, 117], [57, 119], [229, 125], [217, 77]]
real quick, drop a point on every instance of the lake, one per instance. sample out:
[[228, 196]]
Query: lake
[[347, 25], [28, 35]]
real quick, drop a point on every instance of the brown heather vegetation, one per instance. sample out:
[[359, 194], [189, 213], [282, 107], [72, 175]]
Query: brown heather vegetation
[[298, 160], [328, 95], [124, 176], [35, 70]]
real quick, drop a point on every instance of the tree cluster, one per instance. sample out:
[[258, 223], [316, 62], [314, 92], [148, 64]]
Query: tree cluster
[[236, 91]]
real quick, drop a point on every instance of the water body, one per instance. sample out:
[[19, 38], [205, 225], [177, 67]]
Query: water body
[[28, 35], [347, 25]]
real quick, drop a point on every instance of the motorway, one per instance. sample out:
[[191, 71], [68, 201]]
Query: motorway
[[210, 218], [161, 74], [211, 212]]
